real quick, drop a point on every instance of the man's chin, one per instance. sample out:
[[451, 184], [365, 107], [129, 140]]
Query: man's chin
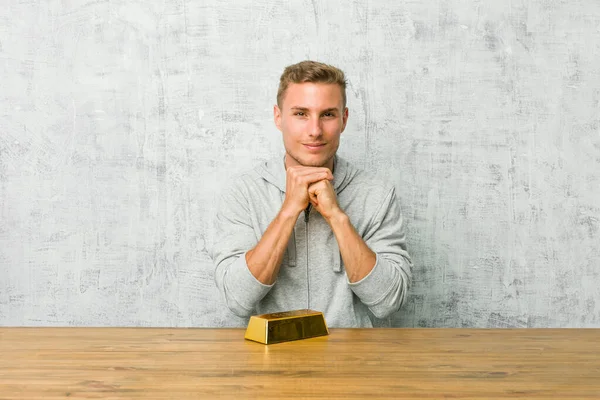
[[314, 164], [310, 161]]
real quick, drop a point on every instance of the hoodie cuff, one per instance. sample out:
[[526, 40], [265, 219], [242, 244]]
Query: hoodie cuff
[[377, 284], [243, 287]]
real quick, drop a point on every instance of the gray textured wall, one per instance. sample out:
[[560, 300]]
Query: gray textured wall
[[120, 121]]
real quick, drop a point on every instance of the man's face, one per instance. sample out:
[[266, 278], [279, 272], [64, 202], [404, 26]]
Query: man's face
[[311, 118]]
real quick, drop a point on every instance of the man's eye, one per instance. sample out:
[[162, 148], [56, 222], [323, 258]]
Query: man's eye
[[299, 113], [328, 115]]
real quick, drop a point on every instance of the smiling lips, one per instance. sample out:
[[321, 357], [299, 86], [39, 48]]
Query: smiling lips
[[313, 146]]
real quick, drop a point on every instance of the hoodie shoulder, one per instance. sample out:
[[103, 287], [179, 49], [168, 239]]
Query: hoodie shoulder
[[262, 175], [369, 181]]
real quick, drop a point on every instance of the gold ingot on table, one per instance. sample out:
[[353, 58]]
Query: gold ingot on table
[[285, 326]]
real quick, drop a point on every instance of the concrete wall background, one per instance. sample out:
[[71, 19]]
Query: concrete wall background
[[120, 121]]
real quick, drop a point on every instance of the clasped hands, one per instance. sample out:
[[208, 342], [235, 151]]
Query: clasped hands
[[312, 185]]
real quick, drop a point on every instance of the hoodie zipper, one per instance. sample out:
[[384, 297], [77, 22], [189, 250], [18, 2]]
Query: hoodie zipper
[[306, 217]]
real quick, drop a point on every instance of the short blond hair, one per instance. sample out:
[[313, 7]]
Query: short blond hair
[[311, 71]]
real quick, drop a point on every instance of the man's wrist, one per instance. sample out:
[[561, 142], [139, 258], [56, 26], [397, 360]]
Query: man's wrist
[[337, 217], [286, 214]]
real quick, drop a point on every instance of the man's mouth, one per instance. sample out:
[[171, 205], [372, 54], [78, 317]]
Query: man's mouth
[[313, 146]]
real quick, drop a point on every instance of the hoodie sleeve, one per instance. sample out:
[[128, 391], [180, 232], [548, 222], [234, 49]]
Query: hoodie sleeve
[[385, 288], [234, 236]]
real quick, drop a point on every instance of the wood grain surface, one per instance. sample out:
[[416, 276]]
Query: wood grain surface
[[115, 363]]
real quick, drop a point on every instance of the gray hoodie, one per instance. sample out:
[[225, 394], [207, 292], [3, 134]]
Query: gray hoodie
[[312, 273]]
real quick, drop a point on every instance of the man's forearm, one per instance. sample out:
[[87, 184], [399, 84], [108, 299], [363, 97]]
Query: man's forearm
[[358, 258], [265, 258]]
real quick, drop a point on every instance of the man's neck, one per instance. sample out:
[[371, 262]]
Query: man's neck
[[291, 162]]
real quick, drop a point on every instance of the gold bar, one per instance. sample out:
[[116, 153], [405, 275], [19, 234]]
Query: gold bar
[[286, 326]]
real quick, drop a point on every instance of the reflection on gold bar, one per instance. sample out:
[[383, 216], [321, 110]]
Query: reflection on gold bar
[[285, 326]]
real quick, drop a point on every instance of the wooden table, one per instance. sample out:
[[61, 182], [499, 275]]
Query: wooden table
[[50, 363]]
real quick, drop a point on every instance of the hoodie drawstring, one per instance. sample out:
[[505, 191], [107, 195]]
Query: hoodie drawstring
[[337, 257], [290, 256], [291, 250]]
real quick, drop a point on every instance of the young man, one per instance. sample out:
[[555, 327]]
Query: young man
[[308, 230]]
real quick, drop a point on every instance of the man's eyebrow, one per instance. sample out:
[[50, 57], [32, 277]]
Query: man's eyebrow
[[332, 109]]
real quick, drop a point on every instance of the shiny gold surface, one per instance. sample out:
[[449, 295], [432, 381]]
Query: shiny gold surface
[[286, 326]]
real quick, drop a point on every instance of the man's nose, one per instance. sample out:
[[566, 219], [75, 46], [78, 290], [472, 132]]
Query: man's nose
[[315, 128]]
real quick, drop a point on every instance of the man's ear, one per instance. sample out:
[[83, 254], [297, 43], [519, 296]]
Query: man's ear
[[344, 118], [277, 116]]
